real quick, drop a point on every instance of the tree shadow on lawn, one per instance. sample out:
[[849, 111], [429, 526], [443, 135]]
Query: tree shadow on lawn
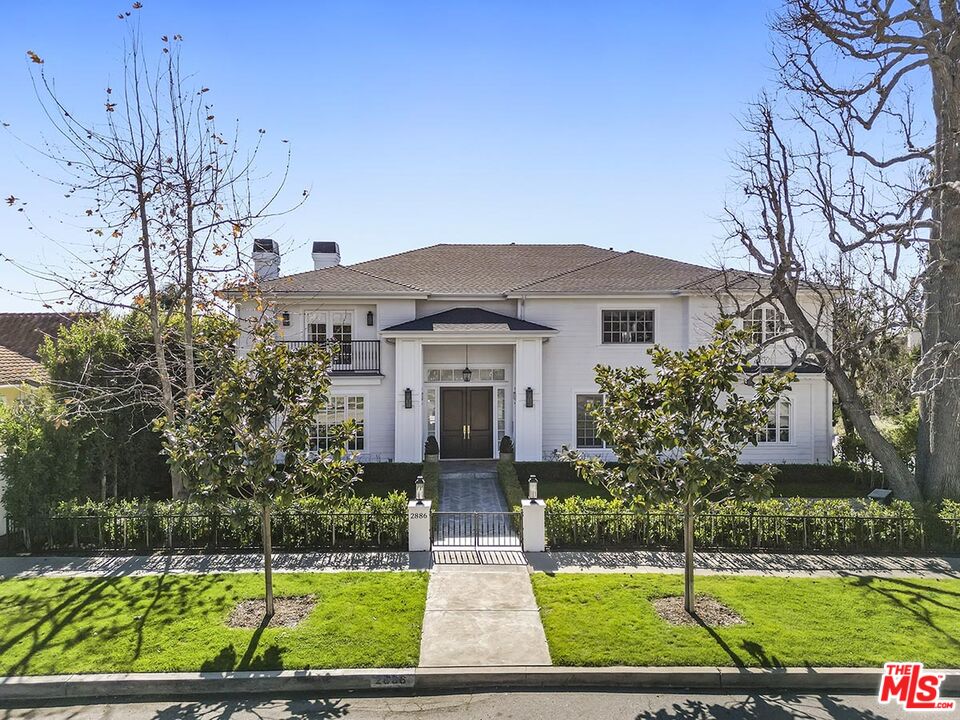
[[762, 707], [753, 649], [226, 660], [60, 619], [303, 709], [910, 596]]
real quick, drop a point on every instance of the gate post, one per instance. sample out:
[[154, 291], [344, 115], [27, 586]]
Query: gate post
[[418, 519], [534, 529]]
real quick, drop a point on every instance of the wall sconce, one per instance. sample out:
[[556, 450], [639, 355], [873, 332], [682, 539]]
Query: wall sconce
[[369, 318], [529, 397], [285, 319], [408, 398], [532, 487]]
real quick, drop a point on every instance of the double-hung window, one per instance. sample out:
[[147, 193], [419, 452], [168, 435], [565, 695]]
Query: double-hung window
[[627, 326], [778, 423], [340, 408], [586, 424], [764, 324]]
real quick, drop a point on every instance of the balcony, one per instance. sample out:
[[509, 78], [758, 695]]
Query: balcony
[[357, 357]]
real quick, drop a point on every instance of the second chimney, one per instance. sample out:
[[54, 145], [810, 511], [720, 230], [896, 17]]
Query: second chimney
[[266, 259], [325, 254]]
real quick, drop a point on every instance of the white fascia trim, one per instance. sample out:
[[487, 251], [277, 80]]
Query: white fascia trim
[[442, 338]]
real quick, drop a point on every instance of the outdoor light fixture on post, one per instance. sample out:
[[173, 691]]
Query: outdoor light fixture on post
[[419, 485], [369, 318], [467, 372], [533, 487], [408, 398], [529, 397]]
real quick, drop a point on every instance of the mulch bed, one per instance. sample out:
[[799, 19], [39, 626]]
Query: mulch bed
[[709, 611], [288, 612]]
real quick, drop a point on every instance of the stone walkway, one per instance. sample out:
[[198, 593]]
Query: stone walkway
[[479, 615]]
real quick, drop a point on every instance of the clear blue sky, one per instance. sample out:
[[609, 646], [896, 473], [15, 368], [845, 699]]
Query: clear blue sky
[[413, 123]]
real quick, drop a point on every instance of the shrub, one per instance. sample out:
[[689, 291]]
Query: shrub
[[383, 478], [780, 524], [431, 446], [509, 484], [506, 445], [228, 524], [431, 480]]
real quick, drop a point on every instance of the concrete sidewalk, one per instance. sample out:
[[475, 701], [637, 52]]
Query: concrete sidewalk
[[626, 561], [174, 564], [726, 563], [479, 615]]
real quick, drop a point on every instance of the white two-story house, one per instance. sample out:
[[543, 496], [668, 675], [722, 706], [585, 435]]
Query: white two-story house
[[469, 343]]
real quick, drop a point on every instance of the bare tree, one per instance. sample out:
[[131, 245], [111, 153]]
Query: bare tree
[[169, 198], [872, 96]]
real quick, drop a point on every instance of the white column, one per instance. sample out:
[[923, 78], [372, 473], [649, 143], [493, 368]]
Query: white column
[[408, 425], [418, 517], [534, 525], [528, 421]]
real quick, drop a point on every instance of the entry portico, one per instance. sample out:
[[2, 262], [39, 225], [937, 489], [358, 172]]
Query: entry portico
[[468, 376]]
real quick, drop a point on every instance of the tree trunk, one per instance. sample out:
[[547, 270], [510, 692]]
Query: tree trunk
[[268, 560], [938, 443], [159, 347], [688, 557], [901, 480]]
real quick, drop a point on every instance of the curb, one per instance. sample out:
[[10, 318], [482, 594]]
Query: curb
[[179, 685]]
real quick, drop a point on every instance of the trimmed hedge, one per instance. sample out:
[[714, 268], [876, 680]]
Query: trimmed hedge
[[383, 478], [512, 490], [792, 480], [308, 523], [431, 483], [795, 524]]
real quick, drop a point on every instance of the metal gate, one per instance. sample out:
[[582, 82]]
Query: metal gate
[[477, 530]]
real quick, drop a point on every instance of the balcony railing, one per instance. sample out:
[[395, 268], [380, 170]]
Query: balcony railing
[[358, 357]]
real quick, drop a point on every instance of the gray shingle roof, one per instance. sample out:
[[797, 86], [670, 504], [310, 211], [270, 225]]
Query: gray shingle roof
[[502, 270], [468, 318], [23, 332]]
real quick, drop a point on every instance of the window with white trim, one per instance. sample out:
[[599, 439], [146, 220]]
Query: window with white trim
[[764, 324], [627, 326], [778, 423], [586, 423], [340, 408]]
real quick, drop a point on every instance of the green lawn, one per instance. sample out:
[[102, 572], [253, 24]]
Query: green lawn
[[176, 622], [607, 619]]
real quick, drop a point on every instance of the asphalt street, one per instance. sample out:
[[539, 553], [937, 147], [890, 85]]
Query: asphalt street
[[492, 705]]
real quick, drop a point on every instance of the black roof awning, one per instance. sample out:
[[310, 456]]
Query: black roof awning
[[467, 319]]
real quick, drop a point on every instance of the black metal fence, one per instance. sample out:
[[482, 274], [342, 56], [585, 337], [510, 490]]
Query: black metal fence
[[207, 532], [783, 533], [477, 529], [355, 356]]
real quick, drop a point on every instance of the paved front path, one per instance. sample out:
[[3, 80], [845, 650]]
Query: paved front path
[[470, 486], [726, 563], [481, 615]]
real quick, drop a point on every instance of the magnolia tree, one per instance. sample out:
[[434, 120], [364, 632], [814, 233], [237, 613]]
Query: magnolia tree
[[678, 433], [248, 435]]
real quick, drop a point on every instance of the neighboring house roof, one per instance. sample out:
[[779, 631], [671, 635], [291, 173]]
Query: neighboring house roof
[[20, 337], [16, 369], [468, 318], [484, 270], [24, 332]]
